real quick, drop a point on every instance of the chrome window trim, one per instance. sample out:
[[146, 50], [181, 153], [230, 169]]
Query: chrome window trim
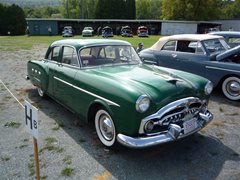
[[109, 102]]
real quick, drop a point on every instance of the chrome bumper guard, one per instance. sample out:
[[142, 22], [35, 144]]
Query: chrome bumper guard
[[27, 77], [173, 134]]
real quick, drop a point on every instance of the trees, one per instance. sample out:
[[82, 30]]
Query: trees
[[231, 9], [191, 10], [78, 9], [115, 9], [12, 20], [148, 9]]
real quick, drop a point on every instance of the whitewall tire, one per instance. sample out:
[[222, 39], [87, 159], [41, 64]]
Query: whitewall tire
[[105, 128], [231, 88], [41, 93]]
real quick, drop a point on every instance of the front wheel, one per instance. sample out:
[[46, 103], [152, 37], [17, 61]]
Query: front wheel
[[231, 88], [105, 128]]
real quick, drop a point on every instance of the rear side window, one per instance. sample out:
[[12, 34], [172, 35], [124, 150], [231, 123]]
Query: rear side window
[[234, 40], [169, 46], [69, 56], [54, 54]]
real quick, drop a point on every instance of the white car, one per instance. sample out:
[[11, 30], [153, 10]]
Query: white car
[[87, 31]]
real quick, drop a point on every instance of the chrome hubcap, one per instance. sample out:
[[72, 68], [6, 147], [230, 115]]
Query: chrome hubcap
[[233, 88], [106, 127]]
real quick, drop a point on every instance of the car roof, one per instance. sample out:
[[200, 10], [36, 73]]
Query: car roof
[[88, 42], [188, 37], [226, 33]]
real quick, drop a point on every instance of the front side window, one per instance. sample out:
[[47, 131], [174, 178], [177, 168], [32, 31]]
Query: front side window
[[215, 46], [69, 56], [108, 55]]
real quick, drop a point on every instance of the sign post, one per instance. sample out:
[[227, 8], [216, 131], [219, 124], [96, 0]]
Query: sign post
[[31, 124]]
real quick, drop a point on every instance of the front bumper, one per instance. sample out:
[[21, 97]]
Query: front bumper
[[174, 133]]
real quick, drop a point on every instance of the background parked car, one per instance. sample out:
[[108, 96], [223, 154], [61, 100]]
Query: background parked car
[[105, 82], [232, 37], [203, 54], [107, 32], [87, 31], [126, 31], [67, 31], [142, 31]]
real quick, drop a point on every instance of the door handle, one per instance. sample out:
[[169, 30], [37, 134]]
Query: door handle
[[174, 55]]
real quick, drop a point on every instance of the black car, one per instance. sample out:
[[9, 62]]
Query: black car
[[126, 31], [231, 37]]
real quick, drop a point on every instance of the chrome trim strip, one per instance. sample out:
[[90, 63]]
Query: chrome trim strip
[[92, 94], [223, 69], [37, 79], [143, 142]]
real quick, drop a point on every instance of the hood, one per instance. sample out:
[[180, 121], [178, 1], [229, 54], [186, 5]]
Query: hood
[[158, 83], [228, 53]]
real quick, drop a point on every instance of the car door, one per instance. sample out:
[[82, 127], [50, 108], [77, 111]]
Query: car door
[[187, 56], [167, 56], [191, 57], [52, 60], [64, 76]]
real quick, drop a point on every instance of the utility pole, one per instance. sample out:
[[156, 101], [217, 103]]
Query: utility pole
[[67, 9], [81, 8]]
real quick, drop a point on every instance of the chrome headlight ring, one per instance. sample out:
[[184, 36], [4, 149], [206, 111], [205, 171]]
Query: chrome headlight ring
[[142, 103], [208, 88]]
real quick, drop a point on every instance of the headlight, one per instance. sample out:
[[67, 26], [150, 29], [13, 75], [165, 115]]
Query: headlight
[[208, 88], [142, 103]]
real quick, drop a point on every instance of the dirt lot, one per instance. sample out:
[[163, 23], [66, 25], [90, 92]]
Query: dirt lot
[[69, 149]]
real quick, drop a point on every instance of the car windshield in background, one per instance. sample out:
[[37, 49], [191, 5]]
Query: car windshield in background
[[215, 46], [108, 56]]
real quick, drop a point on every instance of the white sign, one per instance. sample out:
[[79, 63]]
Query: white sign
[[31, 119]]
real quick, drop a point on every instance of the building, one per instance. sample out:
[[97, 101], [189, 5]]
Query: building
[[42, 26]]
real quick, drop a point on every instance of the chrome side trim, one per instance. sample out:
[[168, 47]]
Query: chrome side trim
[[87, 92], [223, 69]]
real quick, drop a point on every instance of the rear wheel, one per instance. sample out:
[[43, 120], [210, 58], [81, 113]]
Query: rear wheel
[[41, 92], [231, 88], [105, 128]]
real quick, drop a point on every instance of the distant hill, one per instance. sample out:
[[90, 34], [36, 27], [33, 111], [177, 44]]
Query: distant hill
[[32, 3]]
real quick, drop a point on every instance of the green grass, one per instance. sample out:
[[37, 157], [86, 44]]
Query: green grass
[[5, 158], [12, 124], [13, 43], [67, 171], [51, 145]]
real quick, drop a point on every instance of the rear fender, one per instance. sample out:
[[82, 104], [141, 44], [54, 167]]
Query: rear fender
[[38, 75]]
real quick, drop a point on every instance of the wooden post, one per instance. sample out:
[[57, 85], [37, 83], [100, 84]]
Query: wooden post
[[36, 158]]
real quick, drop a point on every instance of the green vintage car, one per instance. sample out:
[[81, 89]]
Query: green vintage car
[[131, 103]]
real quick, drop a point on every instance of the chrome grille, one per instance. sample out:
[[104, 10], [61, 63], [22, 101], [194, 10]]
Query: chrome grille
[[176, 112]]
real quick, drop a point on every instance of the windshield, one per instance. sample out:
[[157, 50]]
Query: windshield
[[109, 55], [215, 46], [87, 28]]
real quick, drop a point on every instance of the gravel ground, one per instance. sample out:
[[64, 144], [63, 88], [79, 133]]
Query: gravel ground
[[69, 149]]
